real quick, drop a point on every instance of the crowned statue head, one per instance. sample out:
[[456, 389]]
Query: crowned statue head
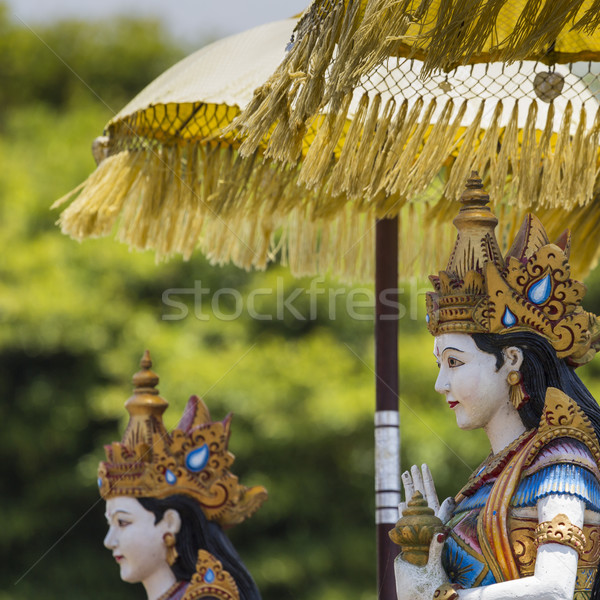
[[508, 327], [169, 498]]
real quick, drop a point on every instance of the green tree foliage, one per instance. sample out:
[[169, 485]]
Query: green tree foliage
[[111, 60], [75, 319]]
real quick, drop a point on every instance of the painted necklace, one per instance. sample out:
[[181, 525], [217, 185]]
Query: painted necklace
[[174, 588], [493, 465]]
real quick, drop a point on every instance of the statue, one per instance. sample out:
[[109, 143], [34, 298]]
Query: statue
[[168, 498], [509, 333]]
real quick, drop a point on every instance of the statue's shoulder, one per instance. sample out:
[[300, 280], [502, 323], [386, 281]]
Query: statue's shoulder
[[211, 581], [563, 456], [565, 435]]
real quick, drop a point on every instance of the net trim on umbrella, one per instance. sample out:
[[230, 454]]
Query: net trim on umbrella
[[340, 42]]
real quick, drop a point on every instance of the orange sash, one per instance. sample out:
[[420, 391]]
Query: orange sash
[[492, 524]]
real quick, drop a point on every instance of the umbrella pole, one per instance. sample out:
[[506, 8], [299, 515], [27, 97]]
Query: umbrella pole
[[387, 433]]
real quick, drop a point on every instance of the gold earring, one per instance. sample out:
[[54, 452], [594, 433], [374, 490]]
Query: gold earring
[[172, 554], [518, 395]]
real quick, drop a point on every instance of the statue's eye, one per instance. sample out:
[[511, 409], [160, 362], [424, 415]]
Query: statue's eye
[[454, 362], [122, 523]]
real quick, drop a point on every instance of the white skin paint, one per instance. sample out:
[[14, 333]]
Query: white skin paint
[[137, 544], [479, 396]]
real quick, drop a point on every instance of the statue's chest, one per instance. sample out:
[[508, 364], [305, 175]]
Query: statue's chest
[[462, 557]]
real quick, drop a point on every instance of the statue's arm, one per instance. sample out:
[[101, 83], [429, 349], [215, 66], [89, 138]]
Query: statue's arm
[[555, 566]]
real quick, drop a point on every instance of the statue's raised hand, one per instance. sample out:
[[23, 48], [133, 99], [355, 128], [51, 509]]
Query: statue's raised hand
[[420, 582], [420, 480]]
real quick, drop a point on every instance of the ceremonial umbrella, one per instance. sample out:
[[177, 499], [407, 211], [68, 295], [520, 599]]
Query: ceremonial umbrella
[[176, 180]]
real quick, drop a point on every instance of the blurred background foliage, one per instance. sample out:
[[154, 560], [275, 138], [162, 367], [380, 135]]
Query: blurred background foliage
[[75, 319]]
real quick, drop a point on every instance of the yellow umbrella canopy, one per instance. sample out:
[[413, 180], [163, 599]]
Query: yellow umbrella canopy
[[170, 179], [386, 143], [161, 169], [494, 85]]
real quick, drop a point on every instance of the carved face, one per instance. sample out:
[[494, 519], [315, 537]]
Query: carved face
[[136, 541], [474, 389]]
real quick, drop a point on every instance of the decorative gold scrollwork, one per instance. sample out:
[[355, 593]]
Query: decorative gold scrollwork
[[560, 531]]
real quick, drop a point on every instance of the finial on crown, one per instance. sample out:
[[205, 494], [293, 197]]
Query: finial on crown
[[474, 192], [144, 404], [528, 290], [476, 242], [145, 380]]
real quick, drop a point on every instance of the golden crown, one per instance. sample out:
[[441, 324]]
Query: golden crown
[[530, 289], [192, 460]]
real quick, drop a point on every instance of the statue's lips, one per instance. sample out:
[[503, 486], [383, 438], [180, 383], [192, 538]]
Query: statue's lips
[[452, 403], [118, 557]]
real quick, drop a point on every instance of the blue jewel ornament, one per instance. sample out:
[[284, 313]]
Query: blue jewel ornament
[[540, 291], [508, 318], [196, 460], [170, 477], [209, 576], [427, 318], [99, 482]]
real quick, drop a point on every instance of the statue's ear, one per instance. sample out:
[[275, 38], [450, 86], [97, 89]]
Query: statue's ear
[[171, 521], [513, 357]]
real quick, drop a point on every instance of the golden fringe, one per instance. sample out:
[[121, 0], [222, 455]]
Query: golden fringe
[[468, 24], [320, 155], [370, 41], [246, 210], [525, 170], [509, 148], [464, 161], [486, 155], [590, 20], [556, 163], [406, 147], [365, 151], [339, 176], [536, 28], [323, 67], [368, 168], [387, 134], [94, 212], [467, 28], [435, 149], [272, 102], [342, 42]]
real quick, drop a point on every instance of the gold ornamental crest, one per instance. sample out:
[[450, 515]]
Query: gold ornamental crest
[[530, 289], [192, 460]]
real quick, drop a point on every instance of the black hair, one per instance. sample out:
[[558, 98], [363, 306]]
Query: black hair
[[541, 369], [196, 533]]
